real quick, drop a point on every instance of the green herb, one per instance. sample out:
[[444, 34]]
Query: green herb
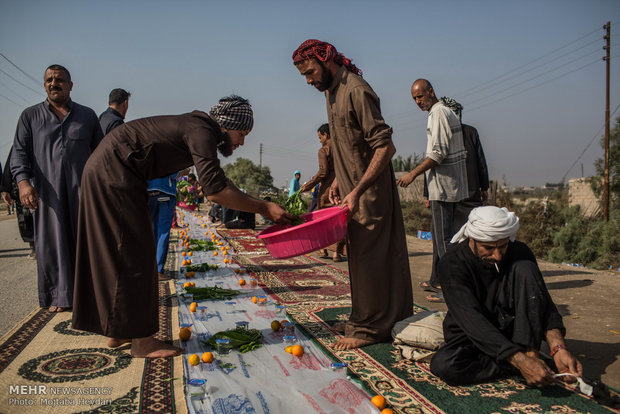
[[201, 267], [215, 292], [296, 206], [201, 245], [244, 339]]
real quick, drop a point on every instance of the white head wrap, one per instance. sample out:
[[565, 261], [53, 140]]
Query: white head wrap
[[488, 224]]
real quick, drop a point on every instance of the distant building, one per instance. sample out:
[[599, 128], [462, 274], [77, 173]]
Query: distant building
[[580, 194]]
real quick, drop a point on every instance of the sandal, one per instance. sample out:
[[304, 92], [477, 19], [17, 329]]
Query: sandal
[[437, 298], [426, 285]]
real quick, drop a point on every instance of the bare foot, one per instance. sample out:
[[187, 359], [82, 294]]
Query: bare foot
[[116, 342], [339, 327], [56, 309], [150, 347], [350, 343]]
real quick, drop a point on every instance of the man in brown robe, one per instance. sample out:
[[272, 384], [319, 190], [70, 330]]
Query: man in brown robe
[[116, 272], [324, 177], [362, 147]]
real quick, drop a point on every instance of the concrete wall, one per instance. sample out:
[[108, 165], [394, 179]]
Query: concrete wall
[[580, 194]]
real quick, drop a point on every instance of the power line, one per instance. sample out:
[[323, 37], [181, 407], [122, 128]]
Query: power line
[[495, 79], [15, 93], [519, 84], [530, 62], [534, 86], [12, 101], [24, 85], [21, 70], [492, 84], [587, 146]]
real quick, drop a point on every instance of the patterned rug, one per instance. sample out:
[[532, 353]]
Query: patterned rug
[[47, 367], [317, 296]]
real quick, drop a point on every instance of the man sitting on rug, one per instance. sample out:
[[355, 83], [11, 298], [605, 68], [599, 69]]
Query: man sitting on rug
[[499, 309]]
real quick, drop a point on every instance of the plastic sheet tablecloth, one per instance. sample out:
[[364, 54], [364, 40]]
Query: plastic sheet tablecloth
[[264, 380]]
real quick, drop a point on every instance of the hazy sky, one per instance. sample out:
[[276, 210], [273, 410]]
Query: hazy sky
[[528, 73]]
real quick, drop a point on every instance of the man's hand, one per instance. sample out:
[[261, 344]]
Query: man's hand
[[28, 194], [351, 201], [427, 203], [277, 214], [7, 198], [484, 195], [566, 362], [334, 193], [405, 180], [533, 369]]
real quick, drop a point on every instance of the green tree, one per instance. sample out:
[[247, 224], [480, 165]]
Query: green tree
[[248, 176], [406, 164], [614, 168]]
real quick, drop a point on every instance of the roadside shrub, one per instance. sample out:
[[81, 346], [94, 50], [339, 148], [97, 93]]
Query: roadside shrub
[[416, 217], [592, 242]]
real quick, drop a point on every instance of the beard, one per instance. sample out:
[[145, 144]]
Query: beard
[[326, 78], [225, 147]]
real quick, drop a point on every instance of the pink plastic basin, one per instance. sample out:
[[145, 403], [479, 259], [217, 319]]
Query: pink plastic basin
[[322, 228]]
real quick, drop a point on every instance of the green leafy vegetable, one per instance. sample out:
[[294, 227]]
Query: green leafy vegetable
[[215, 292], [296, 206], [243, 339], [201, 245], [201, 267]]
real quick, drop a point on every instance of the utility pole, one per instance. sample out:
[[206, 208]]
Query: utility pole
[[260, 162], [607, 48]]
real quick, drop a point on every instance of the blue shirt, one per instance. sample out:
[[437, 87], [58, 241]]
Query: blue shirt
[[164, 184]]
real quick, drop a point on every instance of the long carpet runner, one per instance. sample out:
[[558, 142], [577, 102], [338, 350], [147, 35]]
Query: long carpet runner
[[317, 296], [47, 367]]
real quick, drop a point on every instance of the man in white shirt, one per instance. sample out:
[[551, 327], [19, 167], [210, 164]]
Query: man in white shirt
[[445, 161]]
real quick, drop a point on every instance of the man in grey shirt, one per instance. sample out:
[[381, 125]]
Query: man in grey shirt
[[53, 140]]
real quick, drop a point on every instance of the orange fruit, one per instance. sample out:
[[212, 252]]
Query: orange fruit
[[190, 253], [297, 350], [387, 411], [187, 284], [185, 334], [283, 321], [241, 282], [193, 359], [254, 299], [193, 306], [183, 253], [378, 401], [189, 261], [207, 357], [275, 325], [289, 349]]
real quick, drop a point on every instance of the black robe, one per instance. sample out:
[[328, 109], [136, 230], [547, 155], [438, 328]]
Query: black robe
[[491, 315]]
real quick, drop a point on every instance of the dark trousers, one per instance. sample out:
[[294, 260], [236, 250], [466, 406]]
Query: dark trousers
[[25, 223], [450, 219], [523, 303]]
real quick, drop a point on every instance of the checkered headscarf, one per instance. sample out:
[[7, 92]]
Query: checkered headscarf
[[324, 52], [233, 113], [456, 107]]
